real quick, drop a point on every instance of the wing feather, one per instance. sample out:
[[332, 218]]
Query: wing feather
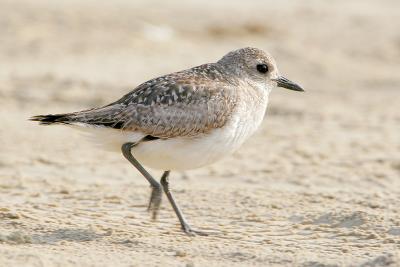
[[198, 110], [185, 103]]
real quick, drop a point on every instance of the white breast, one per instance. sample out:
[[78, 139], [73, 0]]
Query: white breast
[[184, 153]]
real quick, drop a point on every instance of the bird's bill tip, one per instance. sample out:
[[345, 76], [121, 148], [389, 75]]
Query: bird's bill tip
[[286, 83]]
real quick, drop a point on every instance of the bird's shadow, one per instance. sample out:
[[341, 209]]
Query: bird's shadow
[[66, 234]]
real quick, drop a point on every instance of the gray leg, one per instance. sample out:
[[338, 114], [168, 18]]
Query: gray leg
[[185, 226], [156, 193], [155, 198]]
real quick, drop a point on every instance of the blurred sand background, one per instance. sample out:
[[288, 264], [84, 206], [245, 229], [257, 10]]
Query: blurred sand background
[[318, 185]]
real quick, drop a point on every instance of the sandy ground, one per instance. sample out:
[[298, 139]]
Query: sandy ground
[[318, 185]]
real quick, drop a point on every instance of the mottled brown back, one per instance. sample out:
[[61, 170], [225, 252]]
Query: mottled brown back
[[185, 103]]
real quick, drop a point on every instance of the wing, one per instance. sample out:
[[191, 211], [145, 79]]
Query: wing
[[185, 103], [176, 107]]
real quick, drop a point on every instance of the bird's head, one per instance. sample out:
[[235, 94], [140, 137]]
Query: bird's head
[[256, 66]]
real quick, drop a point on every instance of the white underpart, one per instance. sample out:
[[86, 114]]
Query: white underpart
[[183, 153]]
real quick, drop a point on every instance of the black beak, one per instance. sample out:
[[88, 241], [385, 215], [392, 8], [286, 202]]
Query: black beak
[[285, 83]]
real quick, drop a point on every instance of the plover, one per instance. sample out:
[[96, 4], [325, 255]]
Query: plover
[[184, 120]]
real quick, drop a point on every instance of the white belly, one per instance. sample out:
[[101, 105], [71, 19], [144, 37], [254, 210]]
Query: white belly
[[185, 153]]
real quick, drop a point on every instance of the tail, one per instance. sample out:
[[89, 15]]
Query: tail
[[52, 119], [96, 117]]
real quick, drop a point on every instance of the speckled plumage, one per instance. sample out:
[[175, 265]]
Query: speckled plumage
[[180, 104], [210, 109], [185, 103]]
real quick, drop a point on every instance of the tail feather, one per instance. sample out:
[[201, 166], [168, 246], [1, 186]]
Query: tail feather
[[97, 117], [51, 119]]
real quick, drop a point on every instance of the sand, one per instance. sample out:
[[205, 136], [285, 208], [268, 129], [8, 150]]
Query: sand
[[318, 185]]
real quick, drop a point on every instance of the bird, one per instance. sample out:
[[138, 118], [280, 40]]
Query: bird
[[184, 120]]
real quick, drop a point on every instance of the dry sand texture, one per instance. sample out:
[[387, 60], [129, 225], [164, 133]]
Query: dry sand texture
[[318, 185]]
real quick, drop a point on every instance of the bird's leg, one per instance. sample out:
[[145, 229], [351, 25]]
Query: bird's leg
[[155, 197], [156, 193], [185, 226], [155, 201]]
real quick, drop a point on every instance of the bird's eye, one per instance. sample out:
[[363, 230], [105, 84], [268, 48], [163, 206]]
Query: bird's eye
[[263, 68]]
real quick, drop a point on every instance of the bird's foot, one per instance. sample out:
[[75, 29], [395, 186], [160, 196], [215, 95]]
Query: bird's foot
[[192, 232]]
